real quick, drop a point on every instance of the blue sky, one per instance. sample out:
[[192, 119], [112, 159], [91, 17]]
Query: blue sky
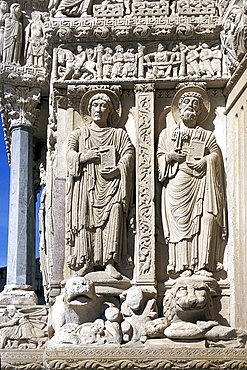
[[4, 200]]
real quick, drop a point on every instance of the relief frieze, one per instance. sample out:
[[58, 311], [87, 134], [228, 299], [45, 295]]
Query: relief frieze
[[167, 61], [163, 26]]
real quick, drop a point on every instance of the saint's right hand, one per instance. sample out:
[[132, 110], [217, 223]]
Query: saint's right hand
[[92, 155], [175, 156]]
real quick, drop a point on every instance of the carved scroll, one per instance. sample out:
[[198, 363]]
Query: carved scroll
[[145, 184]]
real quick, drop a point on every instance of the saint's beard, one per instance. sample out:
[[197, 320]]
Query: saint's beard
[[188, 116]]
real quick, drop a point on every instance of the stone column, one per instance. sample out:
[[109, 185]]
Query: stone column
[[20, 112], [145, 189]]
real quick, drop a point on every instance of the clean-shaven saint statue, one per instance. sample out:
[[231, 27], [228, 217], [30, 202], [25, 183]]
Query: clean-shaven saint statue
[[193, 196], [100, 166]]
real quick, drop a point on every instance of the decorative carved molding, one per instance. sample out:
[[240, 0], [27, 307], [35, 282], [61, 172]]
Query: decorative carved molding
[[122, 28], [60, 97], [137, 8], [22, 360], [175, 358], [27, 76], [145, 181]]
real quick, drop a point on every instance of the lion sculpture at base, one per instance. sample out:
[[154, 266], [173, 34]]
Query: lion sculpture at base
[[77, 304]]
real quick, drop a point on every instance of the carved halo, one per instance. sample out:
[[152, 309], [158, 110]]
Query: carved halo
[[206, 103], [114, 117]]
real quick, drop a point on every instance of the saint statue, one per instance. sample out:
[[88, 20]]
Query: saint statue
[[35, 41], [193, 197], [100, 165], [3, 13], [12, 39]]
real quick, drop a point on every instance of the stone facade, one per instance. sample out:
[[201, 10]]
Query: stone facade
[[129, 116]]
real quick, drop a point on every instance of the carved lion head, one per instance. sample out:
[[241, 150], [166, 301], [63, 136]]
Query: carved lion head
[[78, 290], [189, 299]]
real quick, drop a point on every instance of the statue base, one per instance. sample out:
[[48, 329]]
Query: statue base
[[106, 285], [18, 294]]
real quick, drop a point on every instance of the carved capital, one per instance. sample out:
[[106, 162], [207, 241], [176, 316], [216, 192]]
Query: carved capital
[[20, 105], [60, 96], [140, 88]]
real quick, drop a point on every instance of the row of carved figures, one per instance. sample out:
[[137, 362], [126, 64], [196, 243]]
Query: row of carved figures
[[11, 36], [177, 60]]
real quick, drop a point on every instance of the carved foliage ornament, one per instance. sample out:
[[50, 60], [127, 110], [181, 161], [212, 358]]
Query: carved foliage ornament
[[20, 104], [145, 199]]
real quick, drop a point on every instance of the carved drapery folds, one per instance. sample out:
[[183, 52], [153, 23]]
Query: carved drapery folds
[[101, 193]]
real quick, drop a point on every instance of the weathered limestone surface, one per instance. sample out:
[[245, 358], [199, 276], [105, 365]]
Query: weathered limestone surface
[[132, 114]]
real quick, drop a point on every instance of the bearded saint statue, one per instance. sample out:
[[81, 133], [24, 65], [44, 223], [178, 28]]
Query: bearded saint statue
[[193, 195], [100, 166]]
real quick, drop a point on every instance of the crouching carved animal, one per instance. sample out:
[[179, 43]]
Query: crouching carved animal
[[77, 304]]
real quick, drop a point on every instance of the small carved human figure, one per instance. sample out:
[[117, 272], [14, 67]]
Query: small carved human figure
[[192, 60], [217, 60], [63, 8], [136, 314], [78, 62], [65, 59], [160, 62], [107, 61], [118, 62], [227, 41], [3, 10], [193, 196], [12, 35], [100, 165], [35, 42], [130, 63], [206, 56], [89, 68]]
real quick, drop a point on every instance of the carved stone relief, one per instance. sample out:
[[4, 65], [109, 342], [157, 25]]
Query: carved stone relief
[[24, 328], [99, 192], [165, 61], [82, 8], [111, 187], [182, 27], [233, 37], [34, 41], [12, 36], [188, 148]]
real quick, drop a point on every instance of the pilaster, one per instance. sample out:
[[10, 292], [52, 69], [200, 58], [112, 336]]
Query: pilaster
[[20, 113], [145, 188]]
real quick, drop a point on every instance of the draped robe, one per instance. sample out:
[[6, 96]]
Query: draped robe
[[192, 203], [97, 208]]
